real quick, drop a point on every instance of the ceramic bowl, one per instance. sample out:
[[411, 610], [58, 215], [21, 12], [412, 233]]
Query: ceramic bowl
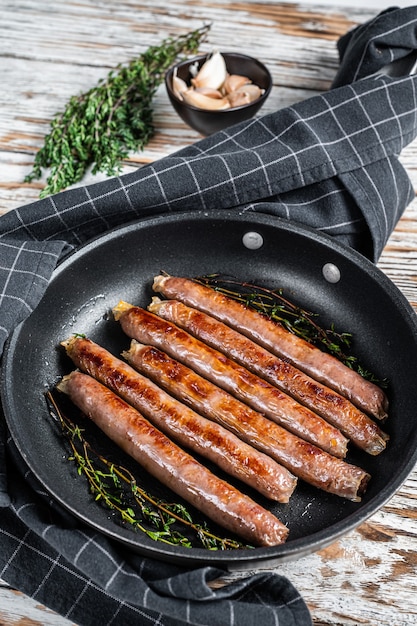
[[205, 121]]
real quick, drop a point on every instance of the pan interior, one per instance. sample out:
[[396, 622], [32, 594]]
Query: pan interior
[[122, 264]]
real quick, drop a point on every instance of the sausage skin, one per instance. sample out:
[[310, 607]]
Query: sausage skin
[[297, 455], [248, 387], [319, 365], [171, 465], [335, 475], [181, 423], [333, 407]]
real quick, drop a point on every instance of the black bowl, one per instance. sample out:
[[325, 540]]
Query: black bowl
[[208, 122]]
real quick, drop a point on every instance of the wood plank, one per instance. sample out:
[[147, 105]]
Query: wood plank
[[16, 609], [74, 45]]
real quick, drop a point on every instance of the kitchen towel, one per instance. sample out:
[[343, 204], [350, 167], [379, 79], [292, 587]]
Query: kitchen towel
[[330, 162]]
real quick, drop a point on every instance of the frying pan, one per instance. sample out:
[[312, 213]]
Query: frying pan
[[354, 296]]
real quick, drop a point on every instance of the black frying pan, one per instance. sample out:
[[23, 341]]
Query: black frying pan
[[121, 265]]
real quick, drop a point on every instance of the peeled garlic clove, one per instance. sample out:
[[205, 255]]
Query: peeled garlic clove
[[235, 81], [212, 73], [209, 92], [178, 85], [193, 97]]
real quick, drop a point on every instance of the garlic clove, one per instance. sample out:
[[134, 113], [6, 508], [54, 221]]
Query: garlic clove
[[244, 95], [253, 91], [178, 85], [208, 91], [235, 81], [200, 100], [212, 73], [238, 98]]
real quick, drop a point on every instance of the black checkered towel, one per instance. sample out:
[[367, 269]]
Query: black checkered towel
[[330, 162]]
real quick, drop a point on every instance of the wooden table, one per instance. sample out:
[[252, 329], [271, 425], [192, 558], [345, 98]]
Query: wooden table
[[52, 50]]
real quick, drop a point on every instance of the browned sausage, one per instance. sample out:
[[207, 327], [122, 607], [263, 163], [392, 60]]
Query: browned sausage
[[336, 409], [174, 467], [333, 474], [204, 396], [273, 336], [255, 391], [178, 421]]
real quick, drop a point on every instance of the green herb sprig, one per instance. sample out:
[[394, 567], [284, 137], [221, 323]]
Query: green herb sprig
[[101, 126], [117, 489]]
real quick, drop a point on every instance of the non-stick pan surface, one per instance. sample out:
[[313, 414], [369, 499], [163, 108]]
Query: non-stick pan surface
[[121, 265]]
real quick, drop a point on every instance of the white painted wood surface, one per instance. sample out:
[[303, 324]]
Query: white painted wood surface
[[52, 50]]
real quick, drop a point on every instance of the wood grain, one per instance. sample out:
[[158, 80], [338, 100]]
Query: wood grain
[[50, 51]]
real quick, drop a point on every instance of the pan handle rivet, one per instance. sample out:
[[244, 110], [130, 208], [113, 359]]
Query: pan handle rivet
[[252, 240], [331, 272]]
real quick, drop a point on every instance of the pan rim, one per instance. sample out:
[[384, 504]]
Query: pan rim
[[259, 556]]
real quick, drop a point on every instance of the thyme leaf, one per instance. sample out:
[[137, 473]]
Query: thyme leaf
[[98, 128], [117, 488]]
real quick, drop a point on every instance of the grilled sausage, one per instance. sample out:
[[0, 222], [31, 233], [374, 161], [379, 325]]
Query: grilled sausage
[[181, 423], [334, 475], [319, 365], [333, 407], [258, 393], [171, 465], [297, 455]]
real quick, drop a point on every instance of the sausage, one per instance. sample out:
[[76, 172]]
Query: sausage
[[171, 465], [248, 387], [271, 335], [335, 475], [297, 455], [333, 407], [184, 425]]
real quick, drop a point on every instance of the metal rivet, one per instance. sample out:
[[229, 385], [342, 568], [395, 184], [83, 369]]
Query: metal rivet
[[252, 240], [331, 272]]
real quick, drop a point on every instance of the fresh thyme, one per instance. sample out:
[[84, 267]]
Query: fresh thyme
[[117, 488], [273, 304], [100, 127]]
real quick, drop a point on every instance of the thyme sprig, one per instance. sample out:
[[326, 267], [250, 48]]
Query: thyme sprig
[[99, 127], [117, 488], [273, 304]]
